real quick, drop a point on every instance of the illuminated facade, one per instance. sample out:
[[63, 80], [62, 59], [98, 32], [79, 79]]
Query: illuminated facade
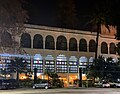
[[64, 50]]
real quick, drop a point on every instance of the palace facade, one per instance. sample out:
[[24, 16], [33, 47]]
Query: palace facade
[[65, 50]]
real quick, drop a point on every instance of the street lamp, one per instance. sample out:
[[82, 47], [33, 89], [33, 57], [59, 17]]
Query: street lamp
[[80, 77], [35, 75]]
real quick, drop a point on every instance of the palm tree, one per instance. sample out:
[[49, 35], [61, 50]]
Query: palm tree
[[100, 14], [17, 65], [107, 13]]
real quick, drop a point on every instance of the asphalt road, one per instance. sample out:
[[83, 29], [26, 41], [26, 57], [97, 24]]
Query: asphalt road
[[63, 91]]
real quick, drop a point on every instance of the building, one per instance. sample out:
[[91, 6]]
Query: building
[[64, 50]]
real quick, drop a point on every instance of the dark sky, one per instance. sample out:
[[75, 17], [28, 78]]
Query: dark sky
[[43, 12]]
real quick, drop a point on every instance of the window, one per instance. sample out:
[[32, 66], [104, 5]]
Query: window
[[73, 68], [38, 41], [49, 42], [83, 45], [61, 43], [73, 44], [92, 46], [49, 65], [112, 48], [25, 40], [39, 65], [61, 67], [104, 48]]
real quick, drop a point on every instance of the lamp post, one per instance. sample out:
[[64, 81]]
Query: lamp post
[[80, 77], [35, 75]]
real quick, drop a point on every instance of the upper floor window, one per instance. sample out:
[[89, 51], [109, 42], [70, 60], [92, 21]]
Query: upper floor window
[[49, 42], [38, 41], [73, 44], [92, 46], [25, 40], [112, 48], [83, 45], [61, 43], [104, 48]]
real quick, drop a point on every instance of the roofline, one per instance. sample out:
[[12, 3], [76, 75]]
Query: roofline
[[60, 29]]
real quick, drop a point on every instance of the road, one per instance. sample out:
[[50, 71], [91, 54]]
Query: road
[[63, 91]]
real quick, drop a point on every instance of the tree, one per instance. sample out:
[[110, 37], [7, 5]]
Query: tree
[[12, 19], [118, 48], [97, 68], [18, 65], [55, 81], [100, 15], [104, 69], [3, 73]]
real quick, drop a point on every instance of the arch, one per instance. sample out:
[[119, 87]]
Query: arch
[[38, 41], [83, 59], [83, 62], [25, 40], [112, 48], [92, 45], [49, 42], [38, 57], [83, 45], [104, 48], [73, 44], [61, 43], [6, 39], [49, 57], [91, 59], [73, 58]]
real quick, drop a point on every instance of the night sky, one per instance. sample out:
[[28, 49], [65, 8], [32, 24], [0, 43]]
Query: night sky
[[43, 12]]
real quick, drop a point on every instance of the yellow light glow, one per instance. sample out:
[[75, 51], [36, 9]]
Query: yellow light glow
[[24, 77], [84, 77]]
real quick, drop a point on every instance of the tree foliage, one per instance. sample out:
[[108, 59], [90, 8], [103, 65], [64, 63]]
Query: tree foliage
[[54, 79], [12, 19], [18, 65], [105, 69]]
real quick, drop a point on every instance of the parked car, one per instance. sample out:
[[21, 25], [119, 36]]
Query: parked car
[[98, 84], [112, 84], [106, 84], [118, 84], [42, 84]]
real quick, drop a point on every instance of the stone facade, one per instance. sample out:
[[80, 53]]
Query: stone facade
[[79, 55], [68, 33]]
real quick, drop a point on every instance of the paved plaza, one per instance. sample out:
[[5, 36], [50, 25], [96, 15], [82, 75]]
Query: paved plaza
[[63, 91]]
